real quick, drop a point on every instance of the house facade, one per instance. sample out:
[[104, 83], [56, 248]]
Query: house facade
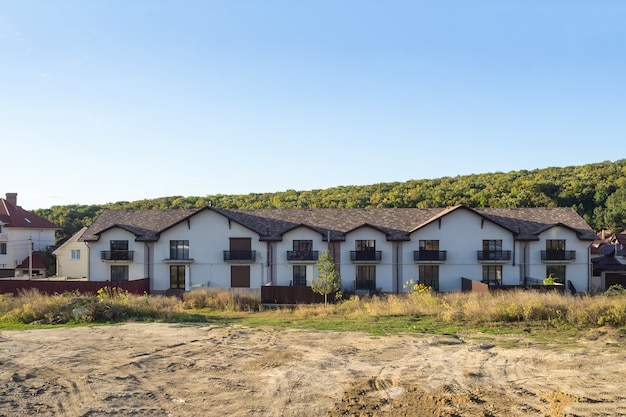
[[609, 262], [375, 250], [72, 259], [21, 234]]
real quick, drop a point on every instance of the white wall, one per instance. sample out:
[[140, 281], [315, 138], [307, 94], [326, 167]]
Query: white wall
[[208, 233], [461, 234], [384, 269], [577, 271], [283, 268], [68, 267], [18, 240], [101, 270]]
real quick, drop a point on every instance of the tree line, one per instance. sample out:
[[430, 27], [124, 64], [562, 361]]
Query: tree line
[[596, 191]]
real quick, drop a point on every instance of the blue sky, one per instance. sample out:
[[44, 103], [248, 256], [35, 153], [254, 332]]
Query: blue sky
[[104, 101]]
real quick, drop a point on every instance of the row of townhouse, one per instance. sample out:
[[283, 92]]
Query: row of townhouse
[[23, 238], [374, 249]]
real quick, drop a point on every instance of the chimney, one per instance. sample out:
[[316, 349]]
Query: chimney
[[12, 199]]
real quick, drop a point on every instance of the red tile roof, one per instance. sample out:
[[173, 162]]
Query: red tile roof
[[16, 216], [39, 262]]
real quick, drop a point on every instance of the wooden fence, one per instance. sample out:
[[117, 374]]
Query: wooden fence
[[292, 295], [138, 286]]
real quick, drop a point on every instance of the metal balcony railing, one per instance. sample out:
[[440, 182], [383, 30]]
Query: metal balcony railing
[[494, 255], [365, 255], [117, 255], [302, 255], [239, 255], [558, 255], [430, 255]]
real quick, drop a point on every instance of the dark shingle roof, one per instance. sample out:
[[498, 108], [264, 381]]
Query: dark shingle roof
[[396, 223], [145, 224]]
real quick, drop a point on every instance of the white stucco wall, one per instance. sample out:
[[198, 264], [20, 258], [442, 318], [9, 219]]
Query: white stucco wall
[[101, 270], [460, 234], [384, 268], [283, 268], [577, 271], [17, 243], [208, 233]]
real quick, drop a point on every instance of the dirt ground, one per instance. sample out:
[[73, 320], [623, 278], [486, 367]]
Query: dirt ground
[[191, 370]]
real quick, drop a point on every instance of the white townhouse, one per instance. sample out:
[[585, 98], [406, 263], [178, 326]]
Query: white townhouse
[[22, 233], [375, 250]]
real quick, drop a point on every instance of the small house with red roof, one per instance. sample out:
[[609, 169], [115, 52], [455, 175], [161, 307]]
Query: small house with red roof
[[22, 233]]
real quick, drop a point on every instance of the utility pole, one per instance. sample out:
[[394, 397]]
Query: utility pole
[[30, 257]]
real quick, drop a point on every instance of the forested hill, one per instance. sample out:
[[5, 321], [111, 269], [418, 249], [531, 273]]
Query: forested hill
[[596, 191]]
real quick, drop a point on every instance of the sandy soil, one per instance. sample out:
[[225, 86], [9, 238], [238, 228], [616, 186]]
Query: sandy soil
[[177, 370]]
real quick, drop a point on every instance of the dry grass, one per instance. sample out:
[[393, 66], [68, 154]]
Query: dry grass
[[466, 308]]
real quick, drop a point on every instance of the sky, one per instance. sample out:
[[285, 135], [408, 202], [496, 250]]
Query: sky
[[123, 100]]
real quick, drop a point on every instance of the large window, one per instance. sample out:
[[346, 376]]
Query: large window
[[429, 275], [366, 277], [177, 276], [302, 245], [429, 245], [492, 274], [555, 244], [299, 275], [365, 245], [119, 245], [557, 272], [492, 245], [179, 249], [119, 272]]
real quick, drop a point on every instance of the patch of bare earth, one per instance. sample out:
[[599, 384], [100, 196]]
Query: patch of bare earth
[[177, 370]]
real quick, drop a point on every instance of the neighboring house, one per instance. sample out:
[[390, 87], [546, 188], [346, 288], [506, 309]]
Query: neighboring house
[[21, 233], [609, 262], [374, 249], [35, 265], [72, 257]]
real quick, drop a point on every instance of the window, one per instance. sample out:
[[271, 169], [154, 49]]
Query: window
[[119, 272], [492, 245], [557, 272], [365, 245], [75, 254], [3, 248], [119, 245], [429, 275], [492, 274], [179, 249], [429, 245], [299, 276], [302, 245], [366, 277], [555, 244], [177, 276]]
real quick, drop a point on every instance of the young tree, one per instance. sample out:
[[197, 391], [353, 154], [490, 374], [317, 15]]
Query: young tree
[[328, 279]]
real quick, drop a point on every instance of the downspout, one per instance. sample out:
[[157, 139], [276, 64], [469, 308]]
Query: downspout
[[147, 265], [88, 261]]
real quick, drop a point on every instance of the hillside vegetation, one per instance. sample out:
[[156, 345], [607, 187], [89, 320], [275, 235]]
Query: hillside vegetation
[[596, 191]]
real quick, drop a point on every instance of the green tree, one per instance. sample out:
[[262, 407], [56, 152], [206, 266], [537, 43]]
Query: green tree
[[328, 279]]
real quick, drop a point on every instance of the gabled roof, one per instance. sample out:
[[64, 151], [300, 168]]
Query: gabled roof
[[396, 223], [146, 225], [529, 223], [16, 216], [73, 238], [39, 262]]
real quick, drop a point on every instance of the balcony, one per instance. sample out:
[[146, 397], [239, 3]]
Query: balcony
[[558, 255], [430, 256], [242, 256], [365, 256], [302, 255], [494, 256], [117, 255]]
